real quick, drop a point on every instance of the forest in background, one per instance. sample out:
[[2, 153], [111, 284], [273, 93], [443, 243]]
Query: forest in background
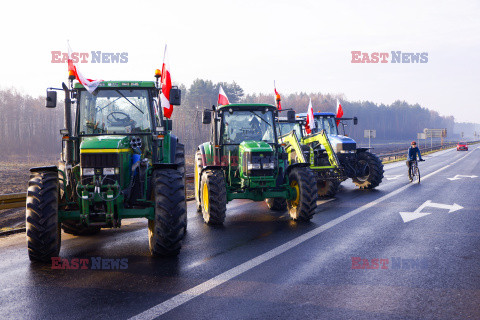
[[28, 129]]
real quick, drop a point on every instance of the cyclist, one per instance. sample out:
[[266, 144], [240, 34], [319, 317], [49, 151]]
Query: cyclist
[[412, 156]]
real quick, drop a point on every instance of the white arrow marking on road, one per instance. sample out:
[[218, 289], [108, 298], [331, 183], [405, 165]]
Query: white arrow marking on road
[[409, 216], [393, 177], [460, 176]]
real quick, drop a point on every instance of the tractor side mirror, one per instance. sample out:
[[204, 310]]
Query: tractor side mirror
[[207, 117], [175, 96], [355, 121], [51, 100], [291, 116]]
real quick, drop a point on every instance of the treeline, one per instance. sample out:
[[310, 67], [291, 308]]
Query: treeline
[[28, 128]]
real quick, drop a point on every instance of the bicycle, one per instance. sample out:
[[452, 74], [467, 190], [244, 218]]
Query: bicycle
[[415, 171]]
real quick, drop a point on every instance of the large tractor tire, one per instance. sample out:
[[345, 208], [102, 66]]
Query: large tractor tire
[[180, 161], [43, 228], [304, 205], [167, 230], [373, 171], [213, 197], [197, 179], [327, 188], [276, 204], [78, 229]]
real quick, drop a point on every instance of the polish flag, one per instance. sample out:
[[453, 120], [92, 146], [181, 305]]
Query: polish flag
[[222, 98], [339, 111], [278, 100], [166, 81], [310, 121], [89, 84]]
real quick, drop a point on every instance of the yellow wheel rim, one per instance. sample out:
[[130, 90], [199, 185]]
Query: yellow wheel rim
[[295, 201], [205, 197]]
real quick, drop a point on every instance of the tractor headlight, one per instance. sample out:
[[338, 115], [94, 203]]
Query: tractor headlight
[[88, 171], [253, 166], [269, 166], [108, 171]]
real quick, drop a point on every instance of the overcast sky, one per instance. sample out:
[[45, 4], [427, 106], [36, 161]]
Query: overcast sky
[[303, 45]]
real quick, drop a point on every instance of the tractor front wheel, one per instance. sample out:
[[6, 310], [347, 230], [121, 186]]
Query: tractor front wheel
[[43, 228], [167, 230], [327, 188], [213, 197], [197, 178], [372, 169], [303, 206], [78, 229]]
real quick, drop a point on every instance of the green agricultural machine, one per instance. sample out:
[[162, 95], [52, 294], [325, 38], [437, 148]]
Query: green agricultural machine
[[244, 160], [120, 160], [315, 150], [362, 166]]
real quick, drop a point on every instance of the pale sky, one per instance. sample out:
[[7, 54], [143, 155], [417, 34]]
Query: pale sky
[[303, 45]]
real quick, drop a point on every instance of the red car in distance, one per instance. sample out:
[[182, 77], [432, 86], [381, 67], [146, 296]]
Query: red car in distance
[[462, 146]]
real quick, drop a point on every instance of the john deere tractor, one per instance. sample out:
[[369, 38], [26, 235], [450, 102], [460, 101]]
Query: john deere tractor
[[119, 160], [244, 160], [314, 149], [363, 167]]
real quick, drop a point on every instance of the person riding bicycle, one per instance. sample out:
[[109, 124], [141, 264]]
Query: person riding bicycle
[[412, 156]]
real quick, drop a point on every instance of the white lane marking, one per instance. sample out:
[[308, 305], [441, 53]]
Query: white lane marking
[[409, 216], [460, 176], [208, 285], [393, 177]]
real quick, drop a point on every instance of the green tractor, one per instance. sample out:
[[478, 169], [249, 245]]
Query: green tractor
[[244, 160], [316, 150], [120, 160]]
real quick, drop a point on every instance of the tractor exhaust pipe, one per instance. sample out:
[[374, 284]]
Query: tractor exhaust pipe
[[68, 124]]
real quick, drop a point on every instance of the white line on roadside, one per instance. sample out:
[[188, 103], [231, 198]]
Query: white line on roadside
[[208, 285]]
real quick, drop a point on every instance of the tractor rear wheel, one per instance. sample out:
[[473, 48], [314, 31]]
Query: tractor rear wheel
[[197, 179], [327, 188], [213, 191], [303, 206], [180, 161], [276, 204], [167, 230], [373, 171], [43, 228]]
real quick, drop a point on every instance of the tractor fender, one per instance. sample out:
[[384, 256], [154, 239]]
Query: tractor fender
[[43, 169], [173, 147], [206, 150]]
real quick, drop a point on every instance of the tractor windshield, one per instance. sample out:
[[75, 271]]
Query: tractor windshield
[[326, 123], [286, 127], [114, 111], [239, 126]]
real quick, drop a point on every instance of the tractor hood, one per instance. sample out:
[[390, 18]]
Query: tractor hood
[[117, 143], [255, 146], [342, 143]]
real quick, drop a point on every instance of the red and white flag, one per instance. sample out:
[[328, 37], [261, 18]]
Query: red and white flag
[[166, 81], [222, 98], [310, 120], [339, 111], [89, 84], [277, 99]]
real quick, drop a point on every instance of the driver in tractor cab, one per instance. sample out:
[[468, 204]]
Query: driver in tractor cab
[[256, 130], [412, 156]]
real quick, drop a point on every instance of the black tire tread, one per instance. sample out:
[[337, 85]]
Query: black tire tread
[[376, 171], [308, 194], [217, 194], [276, 204]]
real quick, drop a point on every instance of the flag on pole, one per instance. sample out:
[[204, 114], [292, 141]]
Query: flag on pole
[[222, 97], [89, 84], [339, 111], [310, 120], [166, 81], [278, 100]]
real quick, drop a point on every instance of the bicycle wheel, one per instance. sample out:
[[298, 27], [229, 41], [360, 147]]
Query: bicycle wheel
[[417, 175]]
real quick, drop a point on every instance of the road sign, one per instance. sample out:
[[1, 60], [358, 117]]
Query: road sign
[[370, 134], [460, 176], [421, 136], [409, 216]]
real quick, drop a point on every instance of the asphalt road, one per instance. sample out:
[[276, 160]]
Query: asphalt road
[[357, 258]]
